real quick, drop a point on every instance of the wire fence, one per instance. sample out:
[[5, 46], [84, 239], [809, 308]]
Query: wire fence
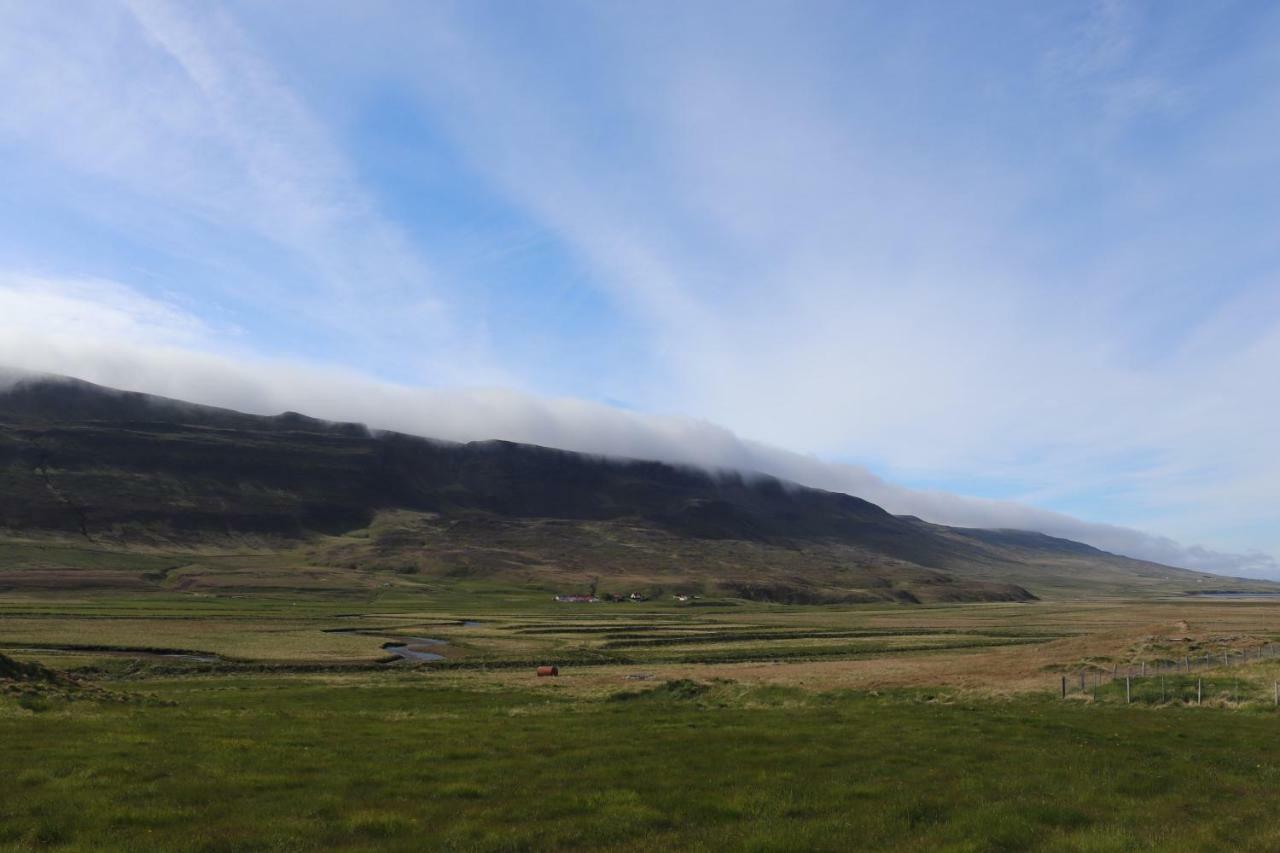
[[1189, 679]]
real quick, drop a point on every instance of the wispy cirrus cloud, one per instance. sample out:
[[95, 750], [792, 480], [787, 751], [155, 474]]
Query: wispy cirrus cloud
[[1020, 252], [166, 120], [994, 264]]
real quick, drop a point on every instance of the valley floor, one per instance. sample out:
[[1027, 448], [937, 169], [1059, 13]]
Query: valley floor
[[357, 712]]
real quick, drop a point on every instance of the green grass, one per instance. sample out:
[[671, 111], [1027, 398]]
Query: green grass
[[36, 555], [406, 761], [299, 739], [1220, 687]]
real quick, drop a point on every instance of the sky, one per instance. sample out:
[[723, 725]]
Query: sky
[[997, 264]]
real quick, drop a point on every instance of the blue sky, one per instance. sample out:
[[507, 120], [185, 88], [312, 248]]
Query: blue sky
[[1025, 253]]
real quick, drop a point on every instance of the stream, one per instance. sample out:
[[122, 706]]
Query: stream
[[404, 648]]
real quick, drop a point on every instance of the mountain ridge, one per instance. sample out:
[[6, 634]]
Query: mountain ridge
[[119, 467]]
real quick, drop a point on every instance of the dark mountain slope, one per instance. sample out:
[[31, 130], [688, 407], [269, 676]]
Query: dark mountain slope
[[119, 467], [157, 461]]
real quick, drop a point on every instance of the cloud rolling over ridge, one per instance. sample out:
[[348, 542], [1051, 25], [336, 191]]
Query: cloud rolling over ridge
[[137, 344]]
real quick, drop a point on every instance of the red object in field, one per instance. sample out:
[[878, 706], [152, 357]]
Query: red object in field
[[548, 670]]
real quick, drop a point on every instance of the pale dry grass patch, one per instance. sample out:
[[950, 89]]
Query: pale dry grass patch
[[1105, 633], [260, 640]]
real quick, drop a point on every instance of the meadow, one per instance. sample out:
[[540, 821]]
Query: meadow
[[408, 760], [215, 715]]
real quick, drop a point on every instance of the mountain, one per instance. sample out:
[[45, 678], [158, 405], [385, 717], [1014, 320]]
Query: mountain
[[123, 470]]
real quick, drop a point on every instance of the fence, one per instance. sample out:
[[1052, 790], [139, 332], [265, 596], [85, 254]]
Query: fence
[[1174, 679]]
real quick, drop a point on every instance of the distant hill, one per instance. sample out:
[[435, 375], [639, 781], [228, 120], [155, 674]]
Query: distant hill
[[124, 469]]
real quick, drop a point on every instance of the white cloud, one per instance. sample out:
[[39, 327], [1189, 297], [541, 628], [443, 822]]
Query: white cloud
[[199, 140], [106, 333], [34, 308]]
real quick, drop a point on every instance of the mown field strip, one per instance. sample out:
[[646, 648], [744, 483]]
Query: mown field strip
[[619, 642], [595, 656]]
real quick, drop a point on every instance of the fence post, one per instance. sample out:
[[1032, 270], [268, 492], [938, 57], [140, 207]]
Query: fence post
[[1162, 688], [1144, 669], [1064, 687], [1126, 690], [1198, 693]]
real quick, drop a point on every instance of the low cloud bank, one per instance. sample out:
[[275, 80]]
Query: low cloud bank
[[264, 387]]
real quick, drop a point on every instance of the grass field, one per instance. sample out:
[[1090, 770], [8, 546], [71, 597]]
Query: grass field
[[215, 715], [408, 760]]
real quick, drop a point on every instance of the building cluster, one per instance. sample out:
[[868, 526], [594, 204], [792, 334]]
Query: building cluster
[[587, 598]]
